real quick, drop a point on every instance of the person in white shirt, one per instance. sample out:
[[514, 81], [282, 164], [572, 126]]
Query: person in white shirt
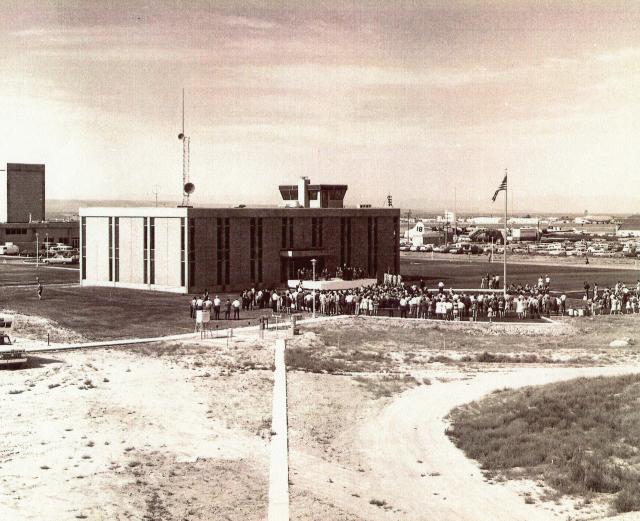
[[403, 307], [216, 307]]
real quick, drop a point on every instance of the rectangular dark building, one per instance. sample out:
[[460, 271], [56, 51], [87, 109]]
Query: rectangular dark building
[[22, 193], [190, 249]]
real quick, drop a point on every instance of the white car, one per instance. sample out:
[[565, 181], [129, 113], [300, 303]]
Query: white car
[[59, 260]]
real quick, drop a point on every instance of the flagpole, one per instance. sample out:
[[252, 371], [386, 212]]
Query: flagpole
[[504, 283]]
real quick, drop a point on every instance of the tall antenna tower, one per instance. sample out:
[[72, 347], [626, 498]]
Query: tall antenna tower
[[187, 186]]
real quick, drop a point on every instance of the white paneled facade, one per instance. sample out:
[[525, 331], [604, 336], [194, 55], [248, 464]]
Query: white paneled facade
[[144, 248]]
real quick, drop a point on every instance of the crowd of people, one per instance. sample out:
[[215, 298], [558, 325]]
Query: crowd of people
[[204, 308], [490, 282], [395, 298], [616, 300], [343, 272]]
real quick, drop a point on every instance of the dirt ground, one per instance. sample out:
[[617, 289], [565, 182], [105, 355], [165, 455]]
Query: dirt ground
[[159, 432], [181, 430], [368, 442]]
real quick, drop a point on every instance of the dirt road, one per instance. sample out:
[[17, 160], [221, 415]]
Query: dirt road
[[425, 474]]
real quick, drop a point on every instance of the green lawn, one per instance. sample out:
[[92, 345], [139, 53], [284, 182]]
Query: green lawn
[[107, 313], [464, 274], [582, 436], [15, 272]]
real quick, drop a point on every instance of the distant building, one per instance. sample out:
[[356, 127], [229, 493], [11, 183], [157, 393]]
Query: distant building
[[524, 221], [22, 210], [630, 227], [449, 217], [190, 249], [593, 219], [483, 221], [22, 193], [525, 234], [599, 219], [27, 235]]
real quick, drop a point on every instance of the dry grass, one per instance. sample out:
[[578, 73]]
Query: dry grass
[[37, 328], [386, 386], [373, 345], [581, 437]]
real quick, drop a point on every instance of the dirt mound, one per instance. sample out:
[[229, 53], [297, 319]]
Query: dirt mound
[[37, 328]]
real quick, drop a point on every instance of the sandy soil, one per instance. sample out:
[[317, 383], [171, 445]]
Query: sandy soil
[[371, 444], [181, 430], [165, 432], [394, 452]]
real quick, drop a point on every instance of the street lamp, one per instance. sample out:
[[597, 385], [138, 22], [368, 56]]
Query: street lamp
[[37, 250], [313, 265], [46, 244]]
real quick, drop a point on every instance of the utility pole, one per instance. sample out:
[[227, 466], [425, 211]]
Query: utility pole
[[155, 192]]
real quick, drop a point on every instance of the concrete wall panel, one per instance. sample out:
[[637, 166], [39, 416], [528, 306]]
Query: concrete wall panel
[[97, 241], [167, 252], [131, 250]]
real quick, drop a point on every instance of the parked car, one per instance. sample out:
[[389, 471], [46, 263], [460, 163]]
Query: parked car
[[59, 259]]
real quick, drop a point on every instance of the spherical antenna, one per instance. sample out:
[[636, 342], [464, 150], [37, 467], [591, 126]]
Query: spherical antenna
[[189, 188], [181, 136]]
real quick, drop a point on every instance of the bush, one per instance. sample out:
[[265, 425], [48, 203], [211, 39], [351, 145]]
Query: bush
[[628, 499], [591, 473], [581, 436], [304, 360]]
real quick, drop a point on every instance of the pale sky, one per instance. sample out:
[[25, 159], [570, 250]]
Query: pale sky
[[419, 99]]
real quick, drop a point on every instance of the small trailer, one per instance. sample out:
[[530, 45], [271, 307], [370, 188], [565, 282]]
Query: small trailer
[[9, 355]]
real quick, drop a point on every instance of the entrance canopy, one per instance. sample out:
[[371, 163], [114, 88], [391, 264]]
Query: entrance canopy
[[332, 284]]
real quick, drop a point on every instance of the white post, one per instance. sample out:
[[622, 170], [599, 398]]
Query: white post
[[37, 250], [313, 265]]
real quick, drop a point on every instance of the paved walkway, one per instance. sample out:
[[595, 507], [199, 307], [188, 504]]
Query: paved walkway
[[109, 343], [279, 472], [183, 336]]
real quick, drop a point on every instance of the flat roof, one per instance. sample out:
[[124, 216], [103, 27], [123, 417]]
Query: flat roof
[[134, 211], [315, 187], [151, 211]]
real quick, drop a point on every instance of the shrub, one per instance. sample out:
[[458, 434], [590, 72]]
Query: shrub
[[580, 436], [628, 499], [592, 473], [304, 360]]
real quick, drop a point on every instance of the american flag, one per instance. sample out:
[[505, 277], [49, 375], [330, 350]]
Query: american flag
[[503, 186]]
